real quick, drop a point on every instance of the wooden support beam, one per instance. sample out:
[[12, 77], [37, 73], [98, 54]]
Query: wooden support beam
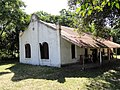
[[109, 54], [100, 56], [83, 62], [116, 52]]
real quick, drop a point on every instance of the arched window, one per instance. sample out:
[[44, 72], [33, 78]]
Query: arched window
[[27, 51], [41, 51], [44, 50]]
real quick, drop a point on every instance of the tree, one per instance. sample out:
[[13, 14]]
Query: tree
[[12, 20], [66, 18], [100, 13], [44, 16]]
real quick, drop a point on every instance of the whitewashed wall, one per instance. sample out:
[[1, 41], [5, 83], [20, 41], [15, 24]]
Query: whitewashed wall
[[36, 33], [66, 55], [30, 37], [51, 36]]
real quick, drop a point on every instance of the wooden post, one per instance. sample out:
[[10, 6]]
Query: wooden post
[[116, 53], [83, 63], [109, 53], [100, 57]]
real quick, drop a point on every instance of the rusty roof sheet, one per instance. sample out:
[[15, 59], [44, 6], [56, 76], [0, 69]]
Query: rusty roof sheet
[[83, 40]]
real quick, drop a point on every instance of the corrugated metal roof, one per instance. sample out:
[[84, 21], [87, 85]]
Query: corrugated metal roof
[[86, 40], [83, 40]]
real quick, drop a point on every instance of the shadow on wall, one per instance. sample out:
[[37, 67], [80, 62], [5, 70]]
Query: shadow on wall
[[23, 71]]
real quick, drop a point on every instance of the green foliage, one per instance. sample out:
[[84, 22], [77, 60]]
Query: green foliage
[[90, 5], [66, 18], [12, 20], [102, 12]]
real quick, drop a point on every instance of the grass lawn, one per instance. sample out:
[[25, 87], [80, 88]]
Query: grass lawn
[[17, 76]]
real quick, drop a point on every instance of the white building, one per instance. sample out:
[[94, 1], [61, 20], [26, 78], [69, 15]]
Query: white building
[[54, 45]]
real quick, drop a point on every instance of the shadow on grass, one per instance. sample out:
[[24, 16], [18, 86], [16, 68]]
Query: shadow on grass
[[107, 76], [3, 73]]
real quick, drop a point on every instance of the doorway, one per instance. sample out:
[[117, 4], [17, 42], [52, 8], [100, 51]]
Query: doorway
[[94, 55]]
